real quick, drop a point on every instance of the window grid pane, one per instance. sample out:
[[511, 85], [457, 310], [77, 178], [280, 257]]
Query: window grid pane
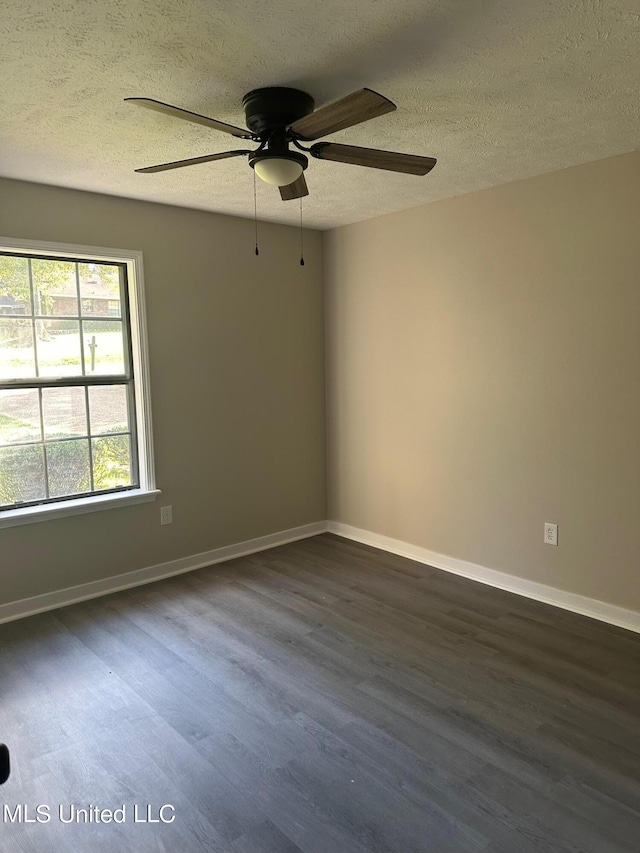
[[108, 409], [64, 412], [104, 347], [24, 476], [15, 298], [62, 454], [16, 349], [19, 416], [68, 466], [88, 429], [112, 455], [33, 322], [82, 354]]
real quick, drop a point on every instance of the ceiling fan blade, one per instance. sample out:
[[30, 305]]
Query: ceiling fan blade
[[177, 112], [193, 161], [353, 109], [393, 161], [298, 189]]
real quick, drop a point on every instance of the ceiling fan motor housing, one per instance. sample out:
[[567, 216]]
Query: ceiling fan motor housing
[[274, 108], [268, 113]]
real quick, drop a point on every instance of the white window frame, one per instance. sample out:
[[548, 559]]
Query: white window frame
[[147, 490]]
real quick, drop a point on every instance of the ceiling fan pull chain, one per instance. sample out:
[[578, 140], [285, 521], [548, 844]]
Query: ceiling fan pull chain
[[301, 237], [255, 211]]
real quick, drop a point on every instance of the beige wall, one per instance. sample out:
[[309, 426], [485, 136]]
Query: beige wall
[[236, 351], [483, 370], [483, 360]]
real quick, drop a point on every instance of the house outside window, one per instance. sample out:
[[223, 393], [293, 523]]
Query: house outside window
[[75, 419]]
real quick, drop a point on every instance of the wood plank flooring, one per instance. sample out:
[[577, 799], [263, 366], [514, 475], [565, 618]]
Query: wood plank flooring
[[322, 697]]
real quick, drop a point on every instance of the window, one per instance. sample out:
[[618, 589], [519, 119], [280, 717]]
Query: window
[[75, 428]]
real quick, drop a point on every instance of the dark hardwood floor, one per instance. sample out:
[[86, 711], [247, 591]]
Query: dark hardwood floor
[[322, 697]]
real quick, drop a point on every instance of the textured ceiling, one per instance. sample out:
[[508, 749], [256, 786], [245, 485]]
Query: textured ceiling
[[497, 90]]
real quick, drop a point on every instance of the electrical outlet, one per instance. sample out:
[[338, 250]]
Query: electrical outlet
[[166, 515], [550, 533]]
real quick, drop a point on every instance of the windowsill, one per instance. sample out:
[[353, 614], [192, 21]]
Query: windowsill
[[47, 512]]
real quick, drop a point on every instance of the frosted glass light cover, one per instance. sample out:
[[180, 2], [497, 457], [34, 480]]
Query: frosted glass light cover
[[278, 171]]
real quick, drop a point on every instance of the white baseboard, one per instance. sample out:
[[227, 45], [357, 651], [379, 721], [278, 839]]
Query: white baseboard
[[610, 613], [601, 610], [95, 589]]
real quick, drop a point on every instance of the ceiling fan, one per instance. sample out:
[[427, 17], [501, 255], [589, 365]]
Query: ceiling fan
[[278, 118]]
